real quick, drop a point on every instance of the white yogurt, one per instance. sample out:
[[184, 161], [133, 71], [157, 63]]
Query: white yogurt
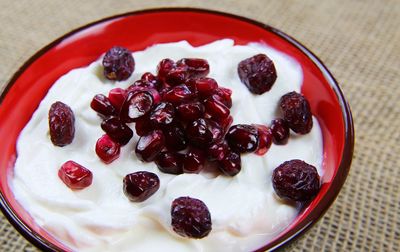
[[244, 210]]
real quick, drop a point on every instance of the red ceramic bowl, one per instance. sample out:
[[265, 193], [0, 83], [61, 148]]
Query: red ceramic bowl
[[138, 30]]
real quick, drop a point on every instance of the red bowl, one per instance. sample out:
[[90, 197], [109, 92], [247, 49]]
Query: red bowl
[[82, 46]]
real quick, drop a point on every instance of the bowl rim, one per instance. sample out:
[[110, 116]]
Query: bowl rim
[[291, 234]]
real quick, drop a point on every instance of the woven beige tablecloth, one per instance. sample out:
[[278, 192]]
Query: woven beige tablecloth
[[358, 40]]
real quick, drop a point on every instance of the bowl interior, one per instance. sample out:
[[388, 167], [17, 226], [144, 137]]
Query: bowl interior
[[139, 30]]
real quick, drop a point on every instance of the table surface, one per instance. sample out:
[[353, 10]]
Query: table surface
[[359, 41]]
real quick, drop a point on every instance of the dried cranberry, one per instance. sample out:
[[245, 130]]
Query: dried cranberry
[[74, 175], [265, 139], [199, 134], [297, 112], [118, 64], [136, 105], [143, 125], [196, 68], [117, 97], [164, 67], [139, 186], [243, 138], [148, 146], [190, 111], [102, 105], [170, 162], [175, 138], [178, 94], [223, 95], [163, 114], [257, 73], [117, 130], [190, 217], [216, 109], [153, 80], [296, 180], [231, 164], [107, 149], [61, 124], [217, 151], [176, 76], [194, 161], [280, 131], [203, 86]]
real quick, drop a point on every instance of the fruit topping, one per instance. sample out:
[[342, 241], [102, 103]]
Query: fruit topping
[[175, 138], [196, 68], [257, 73], [117, 97], [136, 105], [162, 115], [117, 130], [151, 80], [102, 105], [118, 64], [296, 180], [194, 161], [231, 163], [61, 124], [265, 136], [199, 134], [107, 149], [74, 175], [203, 86], [191, 111], [139, 186], [148, 146], [243, 138], [297, 112], [223, 95], [216, 109], [280, 131], [217, 151], [170, 162], [164, 67], [178, 94], [190, 217]]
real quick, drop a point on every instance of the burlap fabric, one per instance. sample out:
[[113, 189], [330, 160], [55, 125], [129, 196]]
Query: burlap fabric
[[358, 40]]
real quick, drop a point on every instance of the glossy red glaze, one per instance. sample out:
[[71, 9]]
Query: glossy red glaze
[[31, 83]]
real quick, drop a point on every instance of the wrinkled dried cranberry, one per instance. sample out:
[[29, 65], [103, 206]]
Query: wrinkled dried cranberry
[[74, 175], [148, 146], [178, 94], [117, 130], [243, 138], [118, 64], [296, 180], [217, 151], [61, 124], [194, 161], [136, 105], [203, 86], [176, 76], [163, 114], [280, 131], [153, 80], [196, 68], [117, 97], [170, 162], [199, 134], [223, 95], [175, 138], [257, 73], [297, 112], [265, 139], [143, 125], [139, 186], [107, 149], [164, 67], [190, 218], [191, 111], [231, 164], [102, 105], [216, 109]]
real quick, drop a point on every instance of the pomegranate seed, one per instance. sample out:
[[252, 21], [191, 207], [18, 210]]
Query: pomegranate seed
[[139, 186], [170, 162], [280, 131], [107, 149], [117, 130], [193, 161], [163, 114], [102, 105], [217, 151], [297, 112], [216, 130], [257, 73], [217, 110], [118, 64], [117, 97], [61, 124], [176, 76], [143, 125], [243, 138], [148, 146], [226, 123], [136, 105], [178, 94], [265, 139], [204, 86], [164, 67], [175, 138], [154, 93], [153, 80], [231, 164], [199, 134], [74, 175], [196, 68], [223, 95], [188, 112]]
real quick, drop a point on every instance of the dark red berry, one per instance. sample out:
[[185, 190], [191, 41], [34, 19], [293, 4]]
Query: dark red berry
[[216, 130], [223, 95], [196, 68], [117, 97], [107, 149], [265, 139], [176, 76], [226, 123], [194, 161], [153, 80], [175, 138], [170, 162], [231, 164], [178, 94], [117, 130], [164, 67], [297, 112], [203, 86], [280, 131], [118, 64], [257, 73], [191, 111], [139, 186], [217, 151], [190, 218], [296, 180], [143, 125], [148, 146], [136, 105], [61, 124], [163, 114], [216, 109], [243, 138], [199, 134], [74, 175], [102, 105]]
